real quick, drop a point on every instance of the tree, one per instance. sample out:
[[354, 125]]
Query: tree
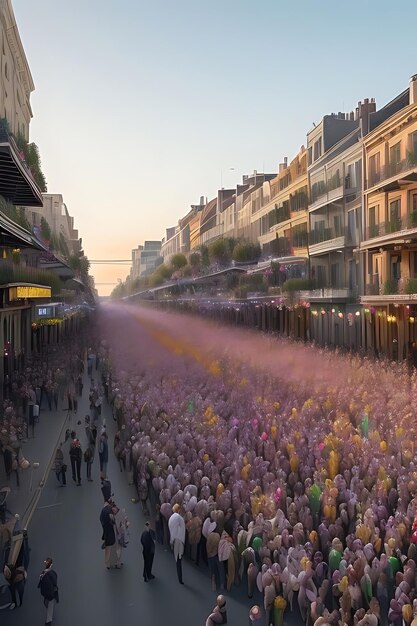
[[205, 260], [244, 251], [160, 275], [219, 252], [46, 230], [178, 261]]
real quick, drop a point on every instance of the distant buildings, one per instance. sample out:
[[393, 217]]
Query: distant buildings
[[144, 259], [342, 214]]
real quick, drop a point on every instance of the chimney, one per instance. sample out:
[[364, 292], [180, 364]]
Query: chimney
[[413, 89], [363, 111], [201, 200], [285, 162]]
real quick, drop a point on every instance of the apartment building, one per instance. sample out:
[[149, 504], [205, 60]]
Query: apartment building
[[281, 223], [389, 242]]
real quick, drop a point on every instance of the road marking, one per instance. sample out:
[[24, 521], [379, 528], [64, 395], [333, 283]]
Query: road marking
[[49, 506]]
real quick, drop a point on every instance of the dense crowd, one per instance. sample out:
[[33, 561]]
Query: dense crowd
[[302, 487]]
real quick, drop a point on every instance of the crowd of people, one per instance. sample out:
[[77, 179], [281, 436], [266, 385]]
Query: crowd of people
[[300, 488], [303, 489]]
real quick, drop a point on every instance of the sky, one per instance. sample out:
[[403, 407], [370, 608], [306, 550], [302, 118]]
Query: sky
[[141, 107]]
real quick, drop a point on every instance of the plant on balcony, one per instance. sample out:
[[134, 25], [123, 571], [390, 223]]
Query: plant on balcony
[[33, 160], [16, 214], [296, 284], [390, 287], [393, 225], [412, 219], [374, 230], [411, 286], [412, 157]]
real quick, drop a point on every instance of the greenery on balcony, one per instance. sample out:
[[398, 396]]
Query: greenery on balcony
[[393, 225], [412, 219], [11, 272], [412, 157], [390, 287], [29, 152], [411, 286], [374, 230], [16, 214]]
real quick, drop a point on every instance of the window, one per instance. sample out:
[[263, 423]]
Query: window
[[394, 159], [394, 209], [351, 176], [310, 155], [374, 169], [337, 221], [414, 202], [317, 149], [394, 223], [412, 143], [372, 216]]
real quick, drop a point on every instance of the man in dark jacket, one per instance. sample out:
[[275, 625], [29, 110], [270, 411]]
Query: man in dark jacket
[[106, 489], [76, 457], [48, 585], [148, 550], [109, 536]]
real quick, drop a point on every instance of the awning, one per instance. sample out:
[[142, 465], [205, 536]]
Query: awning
[[16, 182], [14, 236]]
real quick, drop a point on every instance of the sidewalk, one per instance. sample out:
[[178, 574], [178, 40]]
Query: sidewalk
[[41, 449]]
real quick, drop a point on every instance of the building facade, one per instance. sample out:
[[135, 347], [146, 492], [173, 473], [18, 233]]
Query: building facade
[[389, 243]]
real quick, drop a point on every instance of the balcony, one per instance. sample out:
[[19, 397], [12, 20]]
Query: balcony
[[17, 184], [392, 290], [326, 239], [391, 175], [323, 193], [393, 226], [329, 294]]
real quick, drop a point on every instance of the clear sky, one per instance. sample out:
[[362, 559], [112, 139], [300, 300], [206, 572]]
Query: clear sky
[[141, 106]]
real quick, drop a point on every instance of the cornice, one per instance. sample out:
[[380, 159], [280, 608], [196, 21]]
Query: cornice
[[16, 46], [383, 132]]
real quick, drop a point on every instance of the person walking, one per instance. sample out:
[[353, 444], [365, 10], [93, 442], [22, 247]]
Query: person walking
[[60, 467], [176, 527], [147, 540], [106, 489], [48, 585], [109, 535], [103, 453], [76, 456], [16, 577], [89, 459]]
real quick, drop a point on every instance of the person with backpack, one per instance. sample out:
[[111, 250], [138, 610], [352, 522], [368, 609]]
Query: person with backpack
[[48, 585], [76, 456]]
